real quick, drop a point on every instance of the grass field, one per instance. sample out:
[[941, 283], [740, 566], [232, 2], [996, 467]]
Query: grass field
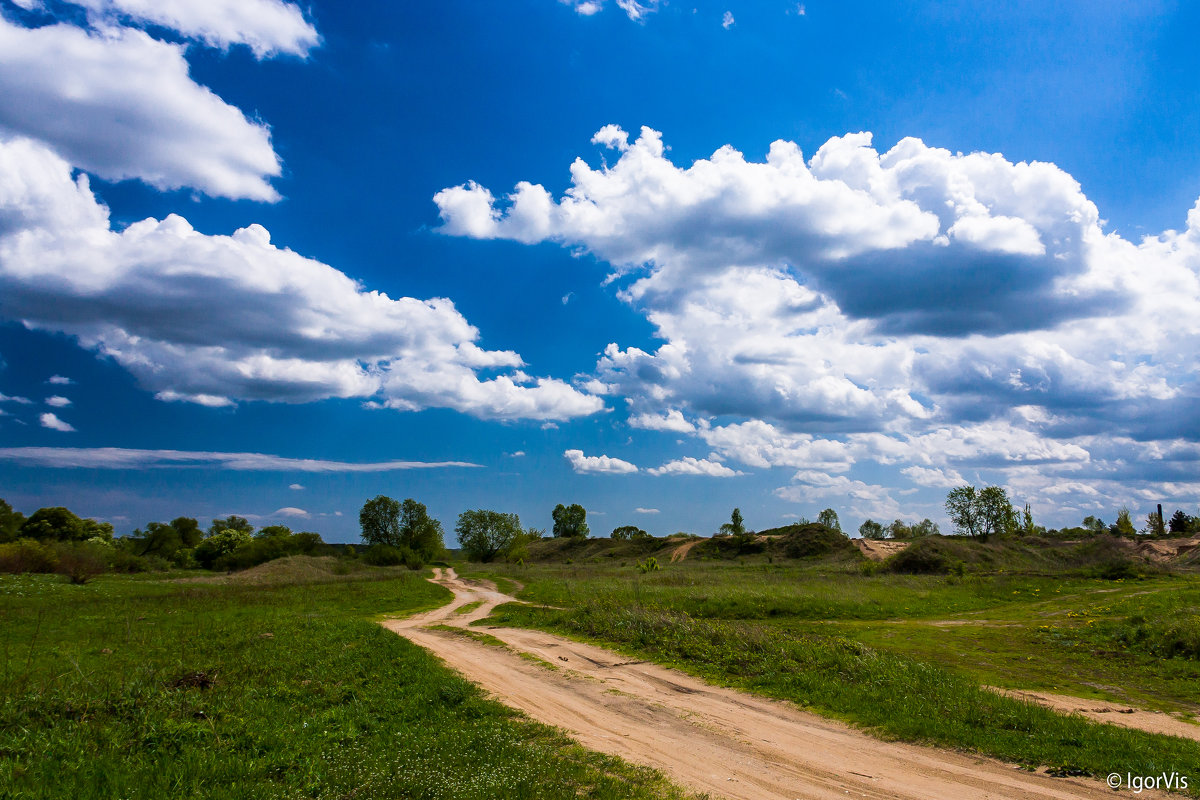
[[145, 688], [906, 656]]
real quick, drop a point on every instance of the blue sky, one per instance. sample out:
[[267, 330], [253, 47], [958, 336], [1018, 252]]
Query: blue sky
[[661, 259]]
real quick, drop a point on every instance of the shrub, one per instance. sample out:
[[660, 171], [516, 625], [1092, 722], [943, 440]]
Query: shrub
[[925, 556], [28, 555], [385, 555], [81, 562]]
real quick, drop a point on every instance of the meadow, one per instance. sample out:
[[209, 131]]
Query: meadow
[[278, 687], [906, 656]]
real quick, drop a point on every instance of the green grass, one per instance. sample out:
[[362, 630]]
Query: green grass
[[135, 688], [865, 648]]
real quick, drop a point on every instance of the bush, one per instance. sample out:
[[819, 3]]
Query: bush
[[129, 563], [82, 562], [812, 539], [28, 555], [925, 556], [385, 555]]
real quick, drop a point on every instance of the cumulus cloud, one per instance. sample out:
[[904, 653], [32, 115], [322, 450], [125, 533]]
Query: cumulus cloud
[[122, 104], [640, 510], [673, 420], [59, 380], [695, 466], [51, 421], [727, 20], [296, 487], [57, 401], [914, 307], [267, 27], [287, 328], [636, 10], [4, 398], [124, 458], [602, 465], [934, 477]]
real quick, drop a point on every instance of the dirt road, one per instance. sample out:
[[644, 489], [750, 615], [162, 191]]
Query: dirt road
[[706, 738]]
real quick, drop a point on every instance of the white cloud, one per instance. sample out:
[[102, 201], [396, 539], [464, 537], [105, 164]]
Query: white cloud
[[597, 464], [918, 307], [633, 9], [267, 27], [640, 510], [57, 401], [695, 466], [291, 511], [59, 380], [673, 420], [51, 421], [727, 20], [122, 105], [4, 398], [296, 487], [123, 458], [585, 8], [287, 328], [934, 477]]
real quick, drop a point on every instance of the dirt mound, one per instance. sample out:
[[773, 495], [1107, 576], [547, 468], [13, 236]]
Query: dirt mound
[[1162, 551], [879, 549], [681, 552]]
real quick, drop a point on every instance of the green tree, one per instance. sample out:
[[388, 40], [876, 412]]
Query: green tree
[[57, 524], [380, 521], [871, 530], [631, 532], [899, 530], [231, 523], [1154, 524], [1124, 525], [273, 532], [189, 531], [1180, 522], [10, 522], [925, 527], [1094, 524], [570, 521], [1027, 527], [219, 545], [483, 535], [420, 532], [829, 519], [981, 513], [736, 526]]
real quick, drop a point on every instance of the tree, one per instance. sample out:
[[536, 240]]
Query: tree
[[898, 530], [220, 544], [829, 519], [631, 532], [420, 532], [871, 530], [55, 523], [10, 522], [1154, 524], [996, 512], [232, 523], [1124, 525], [1094, 524], [1180, 522], [483, 535], [925, 527], [570, 521], [189, 531], [273, 531], [981, 513], [380, 521], [735, 526]]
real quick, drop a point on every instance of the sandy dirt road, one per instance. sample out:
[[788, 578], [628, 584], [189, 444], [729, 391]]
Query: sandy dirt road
[[706, 738]]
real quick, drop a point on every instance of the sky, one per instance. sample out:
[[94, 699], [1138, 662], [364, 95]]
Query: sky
[[660, 259]]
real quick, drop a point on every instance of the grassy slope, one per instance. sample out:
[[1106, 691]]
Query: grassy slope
[[814, 637], [144, 689]]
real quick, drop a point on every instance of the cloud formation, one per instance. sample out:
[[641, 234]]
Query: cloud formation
[[267, 27], [914, 307], [286, 328], [124, 458], [121, 104], [695, 466], [51, 421], [597, 465]]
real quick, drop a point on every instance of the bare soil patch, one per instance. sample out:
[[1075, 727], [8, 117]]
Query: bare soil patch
[[879, 549]]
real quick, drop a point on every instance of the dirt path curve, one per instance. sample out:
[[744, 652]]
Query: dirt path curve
[[707, 738]]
